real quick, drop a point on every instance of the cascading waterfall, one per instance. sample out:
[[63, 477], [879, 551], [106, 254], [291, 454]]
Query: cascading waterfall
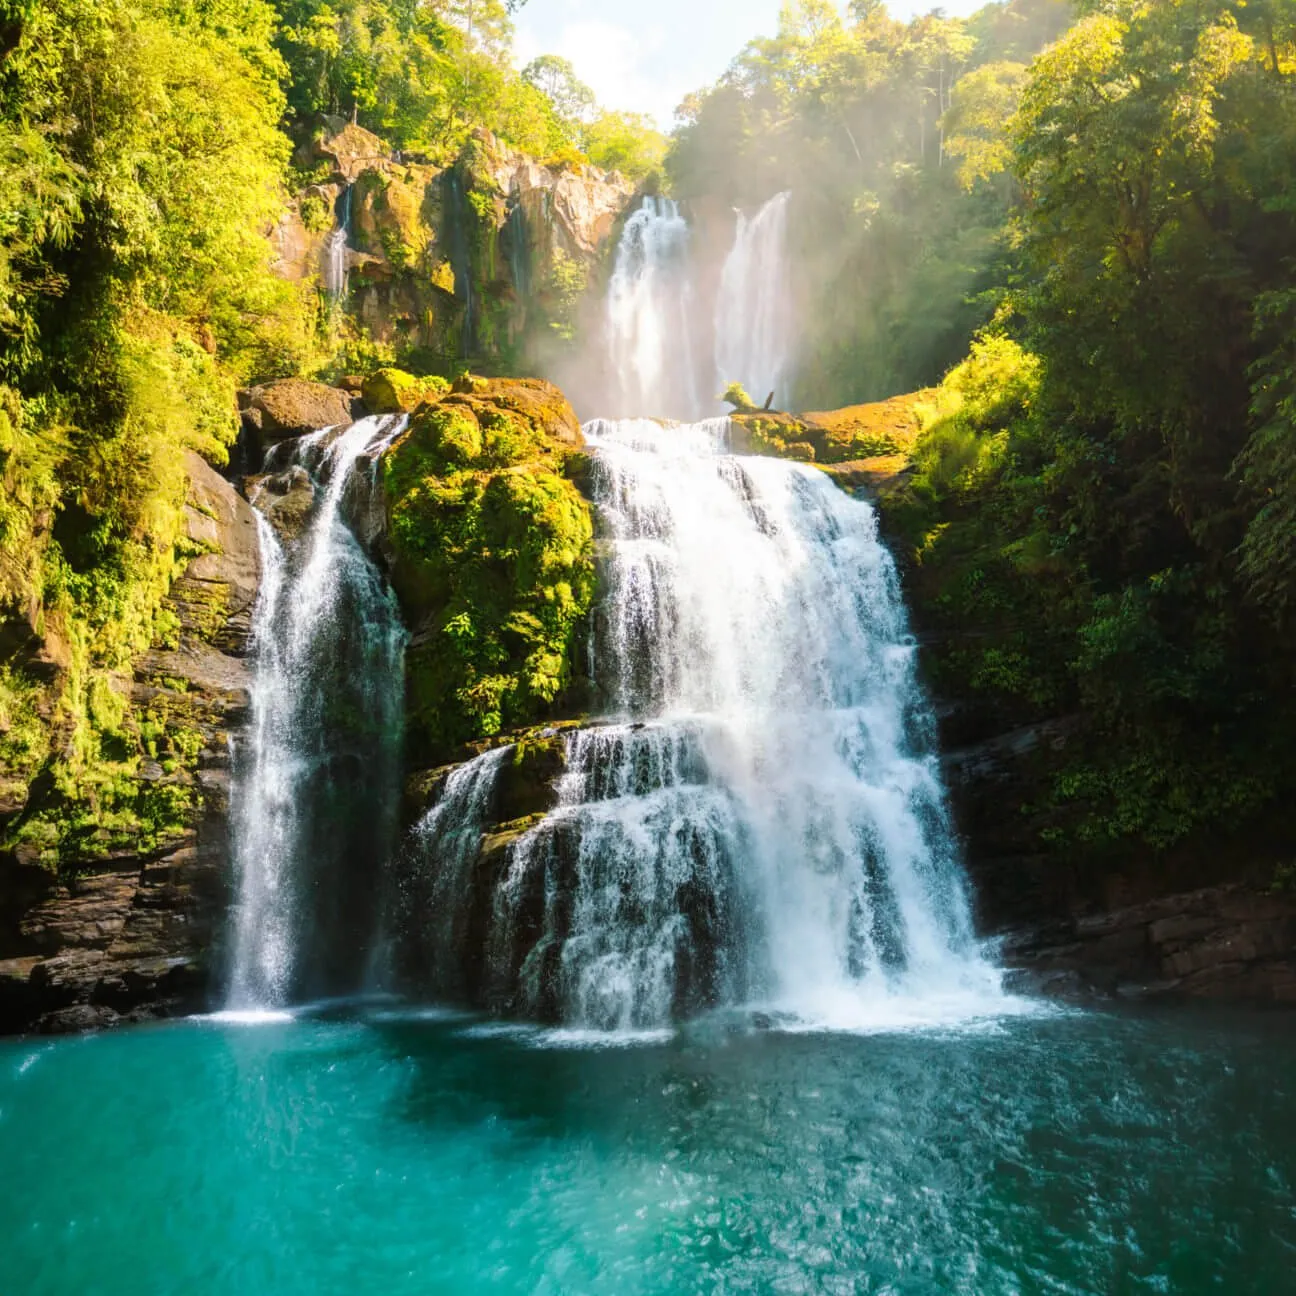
[[650, 311], [335, 250], [661, 357], [762, 820], [753, 319], [317, 779]]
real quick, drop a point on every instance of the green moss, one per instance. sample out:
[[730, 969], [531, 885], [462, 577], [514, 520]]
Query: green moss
[[493, 548], [736, 395], [393, 391], [316, 214], [72, 748], [24, 734]]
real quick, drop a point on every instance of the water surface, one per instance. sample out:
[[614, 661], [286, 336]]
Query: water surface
[[396, 1152]]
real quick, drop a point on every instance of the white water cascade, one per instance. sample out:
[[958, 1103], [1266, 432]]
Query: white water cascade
[[335, 251], [316, 778], [754, 317], [663, 354], [650, 316], [761, 818]]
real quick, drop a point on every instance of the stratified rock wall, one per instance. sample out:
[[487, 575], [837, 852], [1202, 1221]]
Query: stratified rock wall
[[138, 936]]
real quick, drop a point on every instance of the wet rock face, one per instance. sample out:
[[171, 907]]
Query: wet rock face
[[1218, 943], [1181, 928], [139, 937], [492, 882], [286, 500]]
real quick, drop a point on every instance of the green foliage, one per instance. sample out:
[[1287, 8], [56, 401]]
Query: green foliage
[[976, 124], [624, 142], [423, 75], [735, 394], [561, 293], [493, 559], [555, 78], [142, 164], [892, 136], [1102, 524], [392, 391], [316, 213], [1267, 465]]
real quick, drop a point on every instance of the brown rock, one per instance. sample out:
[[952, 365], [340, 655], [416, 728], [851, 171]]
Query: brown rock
[[292, 406], [1223, 943], [217, 592], [285, 500]]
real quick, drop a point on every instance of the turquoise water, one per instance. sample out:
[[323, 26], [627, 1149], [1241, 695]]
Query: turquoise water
[[388, 1154]]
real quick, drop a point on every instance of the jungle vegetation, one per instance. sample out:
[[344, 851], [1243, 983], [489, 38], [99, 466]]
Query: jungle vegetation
[[145, 151], [1101, 521]]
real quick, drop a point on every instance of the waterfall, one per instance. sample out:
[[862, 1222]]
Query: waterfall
[[761, 819], [519, 249], [335, 249], [317, 777], [656, 341], [438, 902], [649, 315], [753, 318]]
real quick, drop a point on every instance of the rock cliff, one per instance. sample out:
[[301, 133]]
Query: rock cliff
[[482, 260], [137, 934]]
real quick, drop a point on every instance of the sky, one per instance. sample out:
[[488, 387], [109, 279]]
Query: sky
[[646, 55]]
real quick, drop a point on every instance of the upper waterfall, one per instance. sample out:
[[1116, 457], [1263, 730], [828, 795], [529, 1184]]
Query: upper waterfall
[[682, 319], [753, 318], [650, 315], [335, 249]]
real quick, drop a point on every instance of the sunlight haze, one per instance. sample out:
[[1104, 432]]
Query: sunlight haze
[[646, 58]]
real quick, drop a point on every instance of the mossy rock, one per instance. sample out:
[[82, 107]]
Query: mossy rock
[[492, 559], [859, 432], [393, 391]]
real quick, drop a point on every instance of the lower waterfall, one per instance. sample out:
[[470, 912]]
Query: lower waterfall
[[317, 779], [761, 819]]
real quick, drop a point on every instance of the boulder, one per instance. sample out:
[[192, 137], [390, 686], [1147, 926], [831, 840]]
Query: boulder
[[873, 440], [350, 148], [479, 483], [285, 500], [291, 407], [393, 391]]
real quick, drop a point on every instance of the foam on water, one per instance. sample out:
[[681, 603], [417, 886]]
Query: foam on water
[[247, 1017]]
